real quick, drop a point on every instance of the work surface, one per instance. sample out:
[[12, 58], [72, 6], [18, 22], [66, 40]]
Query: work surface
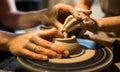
[[111, 42], [100, 38], [114, 44]]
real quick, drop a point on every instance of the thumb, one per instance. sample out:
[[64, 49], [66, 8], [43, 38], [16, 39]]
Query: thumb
[[50, 33], [57, 24]]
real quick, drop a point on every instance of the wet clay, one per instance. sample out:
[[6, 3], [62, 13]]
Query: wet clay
[[73, 25], [70, 44]]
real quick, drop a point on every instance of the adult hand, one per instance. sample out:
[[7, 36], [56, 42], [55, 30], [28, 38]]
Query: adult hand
[[56, 15], [72, 23], [75, 24], [34, 46]]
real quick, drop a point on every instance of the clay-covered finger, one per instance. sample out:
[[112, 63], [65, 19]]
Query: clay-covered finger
[[41, 50], [49, 45], [75, 27], [49, 33], [84, 17], [77, 16], [70, 24], [57, 24], [60, 49], [67, 20], [87, 12], [40, 41], [32, 55], [47, 52], [30, 46]]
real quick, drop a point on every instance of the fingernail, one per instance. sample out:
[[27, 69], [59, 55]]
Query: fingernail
[[52, 46], [45, 58], [66, 53], [59, 56]]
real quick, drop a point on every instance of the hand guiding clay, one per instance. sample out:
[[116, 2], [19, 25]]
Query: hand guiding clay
[[80, 22], [34, 45]]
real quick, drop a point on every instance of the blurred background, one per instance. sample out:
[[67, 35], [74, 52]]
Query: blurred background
[[28, 5]]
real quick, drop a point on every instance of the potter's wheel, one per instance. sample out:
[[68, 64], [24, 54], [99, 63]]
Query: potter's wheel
[[90, 59]]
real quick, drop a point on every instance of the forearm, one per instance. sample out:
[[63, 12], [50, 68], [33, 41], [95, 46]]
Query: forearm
[[86, 4], [4, 37], [10, 20], [22, 20], [7, 7], [107, 24], [14, 19]]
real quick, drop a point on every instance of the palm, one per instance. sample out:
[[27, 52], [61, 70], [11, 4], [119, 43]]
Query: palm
[[56, 15]]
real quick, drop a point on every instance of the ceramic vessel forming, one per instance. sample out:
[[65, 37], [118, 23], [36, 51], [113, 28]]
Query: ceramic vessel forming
[[69, 43]]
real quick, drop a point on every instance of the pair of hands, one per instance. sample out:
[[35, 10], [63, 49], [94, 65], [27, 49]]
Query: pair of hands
[[33, 45], [80, 23], [67, 19], [56, 16]]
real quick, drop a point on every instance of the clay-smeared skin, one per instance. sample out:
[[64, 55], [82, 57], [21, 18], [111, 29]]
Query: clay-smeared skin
[[80, 22], [71, 23]]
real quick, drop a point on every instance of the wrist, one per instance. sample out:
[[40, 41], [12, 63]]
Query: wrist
[[100, 25], [28, 20], [93, 27], [5, 37], [42, 14]]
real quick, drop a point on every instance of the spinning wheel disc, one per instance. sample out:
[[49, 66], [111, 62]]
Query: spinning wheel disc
[[90, 59]]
